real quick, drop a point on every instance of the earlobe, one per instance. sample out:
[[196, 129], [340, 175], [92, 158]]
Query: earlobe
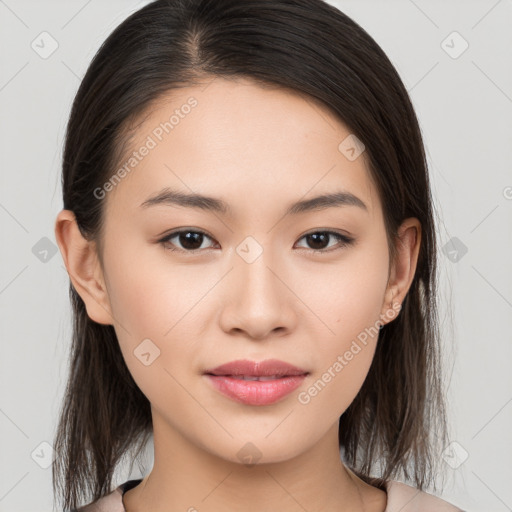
[[404, 267], [83, 267]]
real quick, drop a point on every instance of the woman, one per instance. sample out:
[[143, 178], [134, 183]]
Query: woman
[[249, 234]]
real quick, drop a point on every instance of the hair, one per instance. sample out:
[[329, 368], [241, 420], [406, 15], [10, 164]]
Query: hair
[[398, 418]]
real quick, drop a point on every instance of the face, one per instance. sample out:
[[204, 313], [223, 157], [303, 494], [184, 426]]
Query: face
[[253, 281]]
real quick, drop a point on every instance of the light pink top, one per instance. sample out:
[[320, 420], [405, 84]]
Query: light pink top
[[401, 498]]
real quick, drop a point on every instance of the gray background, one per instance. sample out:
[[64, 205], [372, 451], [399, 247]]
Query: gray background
[[464, 103]]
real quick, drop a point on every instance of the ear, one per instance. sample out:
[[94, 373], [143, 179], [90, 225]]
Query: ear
[[83, 266], [402, 269]]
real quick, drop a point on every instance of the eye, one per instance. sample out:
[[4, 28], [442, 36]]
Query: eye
[[192, 240], [318, 238]]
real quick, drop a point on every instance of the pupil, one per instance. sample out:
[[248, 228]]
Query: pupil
[[189, 240], [314, 238]]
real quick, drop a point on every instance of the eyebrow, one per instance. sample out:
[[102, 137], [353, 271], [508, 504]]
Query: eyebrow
[[170, 197]]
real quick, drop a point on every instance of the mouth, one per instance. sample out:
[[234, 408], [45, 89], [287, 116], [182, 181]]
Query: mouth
[[273, 368], [254, 377], [256, 383]]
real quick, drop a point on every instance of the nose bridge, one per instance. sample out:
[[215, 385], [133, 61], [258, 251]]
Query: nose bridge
[[255, 267], [259, 302]]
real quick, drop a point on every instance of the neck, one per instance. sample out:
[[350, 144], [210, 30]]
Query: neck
[[187, 477]]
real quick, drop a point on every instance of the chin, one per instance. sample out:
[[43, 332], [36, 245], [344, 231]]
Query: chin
[[255, 451]]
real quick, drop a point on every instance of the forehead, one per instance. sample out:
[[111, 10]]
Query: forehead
[[239, 141]]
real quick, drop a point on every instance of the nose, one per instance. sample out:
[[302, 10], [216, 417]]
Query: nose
[[259, 302]]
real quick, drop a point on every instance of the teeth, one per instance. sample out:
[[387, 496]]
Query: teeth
[[252, 377]]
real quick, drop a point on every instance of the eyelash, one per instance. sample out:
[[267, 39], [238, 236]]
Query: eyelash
[[343, 239]]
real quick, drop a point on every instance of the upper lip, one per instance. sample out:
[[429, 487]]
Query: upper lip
[[269, 367]]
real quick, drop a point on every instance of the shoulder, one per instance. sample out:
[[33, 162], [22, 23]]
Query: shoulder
[[405, 498], [112, 502], [109, 503], [400, 498]]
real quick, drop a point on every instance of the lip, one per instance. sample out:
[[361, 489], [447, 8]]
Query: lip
[[280, 379], [265, 368]]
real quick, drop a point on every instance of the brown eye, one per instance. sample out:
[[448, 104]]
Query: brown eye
[[188, 239], [319, 240]]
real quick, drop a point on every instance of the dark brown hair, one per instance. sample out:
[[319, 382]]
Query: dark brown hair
[[398, 418]]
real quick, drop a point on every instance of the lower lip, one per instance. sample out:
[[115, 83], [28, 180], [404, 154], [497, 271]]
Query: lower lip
[[256, 392]]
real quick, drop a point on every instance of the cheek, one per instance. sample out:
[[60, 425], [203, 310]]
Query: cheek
[[329, 393], [348, 300], [342, 364], [346, 297], [153, 309], [149, 293], [154, 298]]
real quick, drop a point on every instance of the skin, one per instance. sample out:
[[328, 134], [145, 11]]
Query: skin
[[259, 150]]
